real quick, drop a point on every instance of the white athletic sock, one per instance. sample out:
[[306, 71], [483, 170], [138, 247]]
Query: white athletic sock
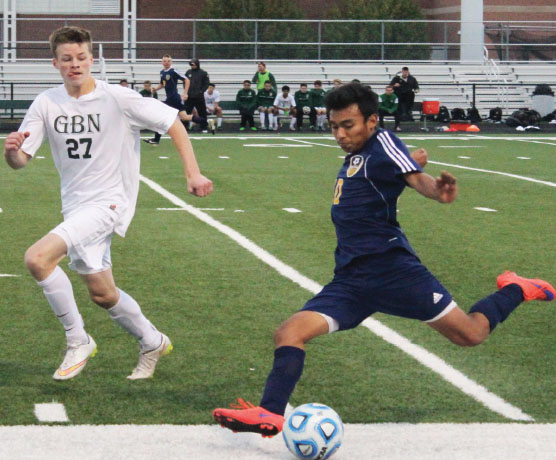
[[262, 116], [321, 120], [59, 293], [292, 122], [270, 120], [127, 313], [219, 122]]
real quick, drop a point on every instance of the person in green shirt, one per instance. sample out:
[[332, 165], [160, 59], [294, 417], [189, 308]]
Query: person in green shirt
[[263, 75], [318, 109], [246, 99], [303, 104], [147, 90], [388, 106], [265, 103]]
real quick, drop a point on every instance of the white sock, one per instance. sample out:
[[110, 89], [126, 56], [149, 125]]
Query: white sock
[[292, 122], [321, 120], [270, 120], [59, 293], [127, 313], [219, 122], [262, 116]]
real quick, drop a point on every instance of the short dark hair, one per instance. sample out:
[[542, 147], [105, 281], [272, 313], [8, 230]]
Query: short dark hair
[[303, 84], [246, 81], [285, 88], [318, 82], [405, 68], [353, 93], [212, 84], [71, 34]]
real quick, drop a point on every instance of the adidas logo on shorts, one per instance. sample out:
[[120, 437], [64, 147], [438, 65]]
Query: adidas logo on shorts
[[436, 297]]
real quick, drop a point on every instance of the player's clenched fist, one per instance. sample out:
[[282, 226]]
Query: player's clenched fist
[[199, 186], [14, 141]]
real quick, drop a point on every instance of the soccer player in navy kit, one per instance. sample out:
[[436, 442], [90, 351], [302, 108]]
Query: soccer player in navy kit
[[376, 268], [169, 79]]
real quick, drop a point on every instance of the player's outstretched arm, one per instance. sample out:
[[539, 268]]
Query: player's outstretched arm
[[15, 157], [443, 189], [197, 184]]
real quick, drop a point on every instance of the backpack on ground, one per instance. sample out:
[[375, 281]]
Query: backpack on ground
[[473, 115], [443, 114], [458, 114], [495, 114]]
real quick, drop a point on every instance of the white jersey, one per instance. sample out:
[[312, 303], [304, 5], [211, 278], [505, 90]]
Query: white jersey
[[95, 143], [210, 99], [284, 103]]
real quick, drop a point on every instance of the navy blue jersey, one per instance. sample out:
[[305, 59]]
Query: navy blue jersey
[[169, 79], [365, 197]]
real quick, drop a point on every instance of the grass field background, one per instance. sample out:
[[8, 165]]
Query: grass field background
[[219, 304]]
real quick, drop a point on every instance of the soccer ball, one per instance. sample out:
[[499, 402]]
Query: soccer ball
[[306, 110], [313, 431]]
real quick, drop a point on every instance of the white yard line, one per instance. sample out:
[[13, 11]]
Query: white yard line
[[433, 362], [386, 441], [51, 412], [488, 171]]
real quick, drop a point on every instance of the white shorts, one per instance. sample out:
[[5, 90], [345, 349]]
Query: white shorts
[[88, 234], [282, 112], [210, 108]]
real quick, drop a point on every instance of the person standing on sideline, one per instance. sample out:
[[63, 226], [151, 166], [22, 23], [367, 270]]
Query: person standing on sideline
[[246, 99], [195, 87], [169, 79], [377, 270], [405, 86], [263, 75], [93, 129], [388, 106]]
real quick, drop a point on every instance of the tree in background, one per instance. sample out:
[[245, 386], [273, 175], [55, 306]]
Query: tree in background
[[244, 31], [394, 32]]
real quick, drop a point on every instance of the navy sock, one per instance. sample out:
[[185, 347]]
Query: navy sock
[[286, 371], [498, 306]]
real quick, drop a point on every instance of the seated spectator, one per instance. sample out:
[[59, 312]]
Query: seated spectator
[[318, 109], [124, 83], [246, 99], [388, 106], [212, 102], [147, 90], [303, 105], [284, 105], [265, 104]]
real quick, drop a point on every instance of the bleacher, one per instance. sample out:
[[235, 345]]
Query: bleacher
[[452, 84]]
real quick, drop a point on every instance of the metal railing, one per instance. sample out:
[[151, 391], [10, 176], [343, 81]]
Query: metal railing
[[302, 40]]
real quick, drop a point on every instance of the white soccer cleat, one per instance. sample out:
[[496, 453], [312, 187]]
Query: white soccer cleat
[[75, 360], [148, 360], [212, 126]]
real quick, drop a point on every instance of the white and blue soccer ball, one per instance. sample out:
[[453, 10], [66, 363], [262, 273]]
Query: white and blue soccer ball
[[313, 431]]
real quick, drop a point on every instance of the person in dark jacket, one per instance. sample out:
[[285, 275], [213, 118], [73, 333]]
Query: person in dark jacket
[[405, 86], [196, 85]]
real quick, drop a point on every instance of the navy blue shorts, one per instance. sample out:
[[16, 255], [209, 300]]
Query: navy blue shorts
[[396, 283], [175, 101]]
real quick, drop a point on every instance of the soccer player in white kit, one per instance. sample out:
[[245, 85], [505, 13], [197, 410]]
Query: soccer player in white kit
[[93, 129]]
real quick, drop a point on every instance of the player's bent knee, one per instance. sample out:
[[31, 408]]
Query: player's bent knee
[[36, 261]]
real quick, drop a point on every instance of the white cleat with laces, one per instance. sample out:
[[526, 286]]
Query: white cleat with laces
[[75, 360], [149, 359]]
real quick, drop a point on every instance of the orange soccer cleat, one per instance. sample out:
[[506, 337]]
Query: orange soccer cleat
[[244, 416], [533, 289]]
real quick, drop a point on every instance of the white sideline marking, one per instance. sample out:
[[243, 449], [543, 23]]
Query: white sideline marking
[[224, 157], [381, 441], [292, 210], [276, 145], [1, 210], [464, 157], [461, 146], [39, 157], [7, 275], [485, 209], [163, 158], [51, 412], [515, 176], [283, 157], [523, 158], [447, 372]]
